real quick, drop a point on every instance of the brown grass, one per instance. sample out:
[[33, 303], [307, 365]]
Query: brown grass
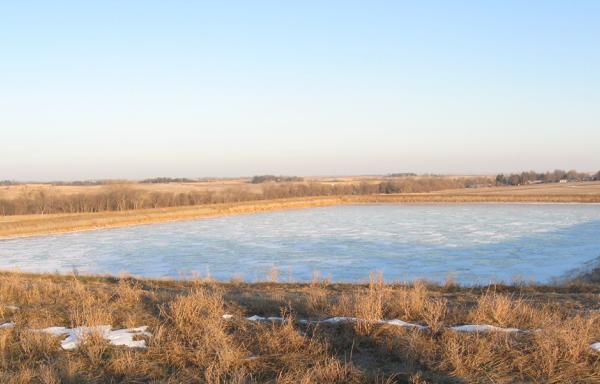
[[192, 343], [27, 225]]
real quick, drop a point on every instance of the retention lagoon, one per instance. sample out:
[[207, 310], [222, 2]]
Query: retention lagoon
[[472, 243]]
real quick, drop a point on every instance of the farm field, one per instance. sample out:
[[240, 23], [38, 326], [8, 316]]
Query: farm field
[[14, 191], [559, 189]]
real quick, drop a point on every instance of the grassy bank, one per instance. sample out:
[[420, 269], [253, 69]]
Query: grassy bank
[[191, 342], [27, 225]]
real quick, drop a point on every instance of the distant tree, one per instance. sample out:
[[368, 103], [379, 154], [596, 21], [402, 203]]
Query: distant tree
[[528, 177], [403, 174], [559, 174], [572, 175], [164, 180], [272, 178], [514, 179]]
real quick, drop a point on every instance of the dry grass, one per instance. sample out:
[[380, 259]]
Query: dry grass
[[217, 185], [27, 225], [14, 191], [191, 341]]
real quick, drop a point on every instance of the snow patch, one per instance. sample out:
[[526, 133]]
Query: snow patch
[[7, 325], [395, 322], [467, 328], [260, 318], [483, 328], [476, 328], [403, 324], [74, 336], [338, 319]]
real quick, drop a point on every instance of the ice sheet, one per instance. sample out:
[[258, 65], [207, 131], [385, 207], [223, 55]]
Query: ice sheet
[[475, 243]]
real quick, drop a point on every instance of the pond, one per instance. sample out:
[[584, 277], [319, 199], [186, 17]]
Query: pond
[[472, 243]]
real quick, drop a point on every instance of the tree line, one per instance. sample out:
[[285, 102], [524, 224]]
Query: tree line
[[124, 197], [164, 180], [555, 176], [114, 198], [276, 179]]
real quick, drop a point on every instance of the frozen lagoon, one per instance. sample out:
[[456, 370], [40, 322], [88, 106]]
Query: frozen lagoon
[[474, 243]]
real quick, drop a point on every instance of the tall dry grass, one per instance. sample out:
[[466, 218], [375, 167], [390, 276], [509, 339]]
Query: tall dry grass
[[191, 341]]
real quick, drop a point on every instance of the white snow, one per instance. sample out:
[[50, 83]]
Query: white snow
[[474, 328], [482, 328], [74, 336], [260, 318], [124, 337], [403, 324], [339, 319], [345, 319], [479, 328], [396, 322]]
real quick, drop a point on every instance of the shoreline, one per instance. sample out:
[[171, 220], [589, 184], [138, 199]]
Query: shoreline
[[574, 284], [12, 227]]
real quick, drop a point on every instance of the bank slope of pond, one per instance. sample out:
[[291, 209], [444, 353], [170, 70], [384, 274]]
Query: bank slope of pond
[[29, 225]]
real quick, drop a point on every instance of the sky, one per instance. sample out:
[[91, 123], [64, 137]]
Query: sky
[[137, 89]]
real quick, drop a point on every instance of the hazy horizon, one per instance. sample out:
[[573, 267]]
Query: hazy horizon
[[249, 176], [115, 90]]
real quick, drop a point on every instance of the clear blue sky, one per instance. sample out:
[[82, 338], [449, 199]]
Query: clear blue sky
[[133, 89]]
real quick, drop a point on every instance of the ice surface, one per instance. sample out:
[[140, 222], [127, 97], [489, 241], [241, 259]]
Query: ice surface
[[475, 243], [123, 337]]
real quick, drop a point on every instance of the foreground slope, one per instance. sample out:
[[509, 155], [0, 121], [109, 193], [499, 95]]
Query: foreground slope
[[188, 338]]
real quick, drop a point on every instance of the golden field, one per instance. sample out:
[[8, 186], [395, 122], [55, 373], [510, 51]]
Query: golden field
[[13, 191]]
